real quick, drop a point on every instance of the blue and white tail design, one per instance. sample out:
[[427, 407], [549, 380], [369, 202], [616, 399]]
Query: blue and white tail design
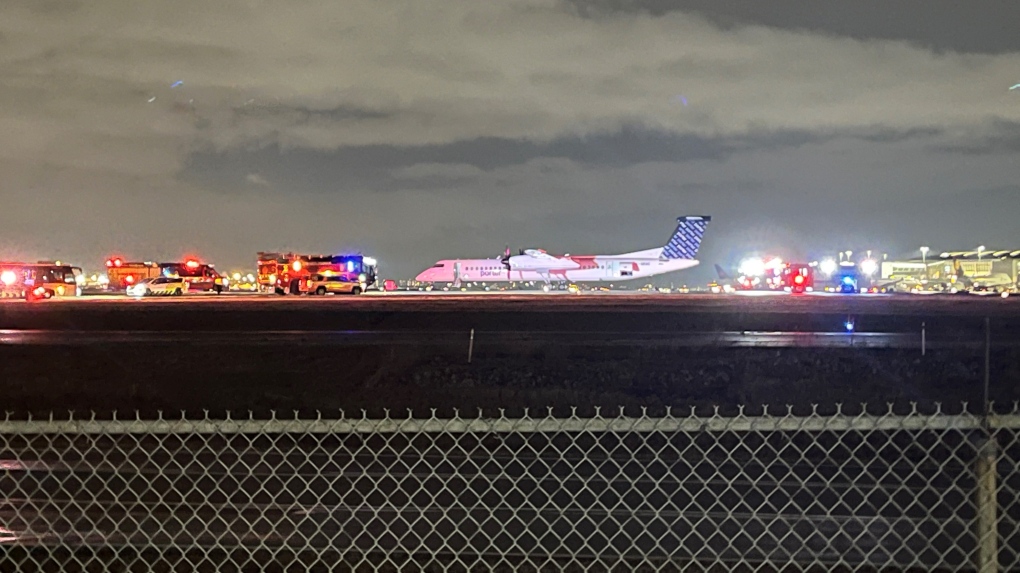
[[687, 238]]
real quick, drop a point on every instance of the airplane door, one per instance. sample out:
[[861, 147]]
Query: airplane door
[[620, 269]]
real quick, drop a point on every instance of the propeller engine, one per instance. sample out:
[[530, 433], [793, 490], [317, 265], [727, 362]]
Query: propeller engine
[[506, 261]]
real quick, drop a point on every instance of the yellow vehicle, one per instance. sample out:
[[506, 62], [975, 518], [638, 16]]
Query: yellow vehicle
[[165, 286], [48, 280], [336, 284]]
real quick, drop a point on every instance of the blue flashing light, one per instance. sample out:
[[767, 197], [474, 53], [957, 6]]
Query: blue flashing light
[[849, 325], [848, 280]]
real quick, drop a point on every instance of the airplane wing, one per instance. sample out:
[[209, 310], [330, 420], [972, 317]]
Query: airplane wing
[[538, 260]]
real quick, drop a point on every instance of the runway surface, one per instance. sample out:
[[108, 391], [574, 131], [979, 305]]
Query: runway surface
[[956, 315], [612, 301], [545, 338]]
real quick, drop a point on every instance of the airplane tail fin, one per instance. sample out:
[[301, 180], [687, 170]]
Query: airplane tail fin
[[960, 274], [722, 274], [686, 239]]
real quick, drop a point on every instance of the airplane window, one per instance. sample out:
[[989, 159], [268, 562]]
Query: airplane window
[[438, 266]]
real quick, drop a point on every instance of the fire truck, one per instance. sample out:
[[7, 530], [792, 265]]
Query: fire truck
[[796, 277], [282, 273], [200, 276], [42, 280]]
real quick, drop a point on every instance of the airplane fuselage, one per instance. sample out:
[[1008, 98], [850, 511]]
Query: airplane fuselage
[[566, 268], [534, 265]]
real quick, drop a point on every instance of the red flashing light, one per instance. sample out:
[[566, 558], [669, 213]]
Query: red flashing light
[[192, 264], [109, 262], [296, 266], [130, 279], [117, 262], [799, 279]]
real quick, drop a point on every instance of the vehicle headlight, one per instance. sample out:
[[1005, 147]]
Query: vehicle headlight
[[362, 277]]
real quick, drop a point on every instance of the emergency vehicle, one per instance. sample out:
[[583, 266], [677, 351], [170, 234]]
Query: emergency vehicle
[[328, 283], [847, 278], [796, 277], [42, 280], [285, 273], [200, 276], [123, 274], [12, 279]]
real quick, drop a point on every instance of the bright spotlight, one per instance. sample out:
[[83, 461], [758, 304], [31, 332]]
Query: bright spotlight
[[8, 277], [828, 266], [869, 266], [753, 267]]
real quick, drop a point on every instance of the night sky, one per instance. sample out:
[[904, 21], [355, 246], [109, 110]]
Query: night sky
[[422, 130]]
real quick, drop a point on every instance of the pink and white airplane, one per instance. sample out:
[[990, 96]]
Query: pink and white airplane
[[537, 265]]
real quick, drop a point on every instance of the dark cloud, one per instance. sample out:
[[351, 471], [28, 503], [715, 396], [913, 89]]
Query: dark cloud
[[385, 167], [1002, 138], [422, 129], [942, 25], [305, 115]]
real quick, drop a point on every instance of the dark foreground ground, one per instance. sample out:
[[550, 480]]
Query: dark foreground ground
[[146, 501], [172, 378], [435, 373]]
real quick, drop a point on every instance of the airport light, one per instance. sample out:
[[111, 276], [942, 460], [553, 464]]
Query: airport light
[[827, 266], [752, 267], [869, 266]]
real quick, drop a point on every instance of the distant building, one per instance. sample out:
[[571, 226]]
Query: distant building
[[974, 264]]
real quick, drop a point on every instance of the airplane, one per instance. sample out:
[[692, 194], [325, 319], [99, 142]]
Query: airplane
[[727, 283], [536, 265], [996, 282]]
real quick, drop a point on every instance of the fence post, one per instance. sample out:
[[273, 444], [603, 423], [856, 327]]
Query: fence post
[[987, 506], [923, 341]]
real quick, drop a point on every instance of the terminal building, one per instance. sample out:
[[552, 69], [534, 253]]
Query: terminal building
[[1002, 266]]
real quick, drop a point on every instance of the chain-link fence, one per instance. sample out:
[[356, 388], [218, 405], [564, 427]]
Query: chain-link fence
[[862, 492]]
